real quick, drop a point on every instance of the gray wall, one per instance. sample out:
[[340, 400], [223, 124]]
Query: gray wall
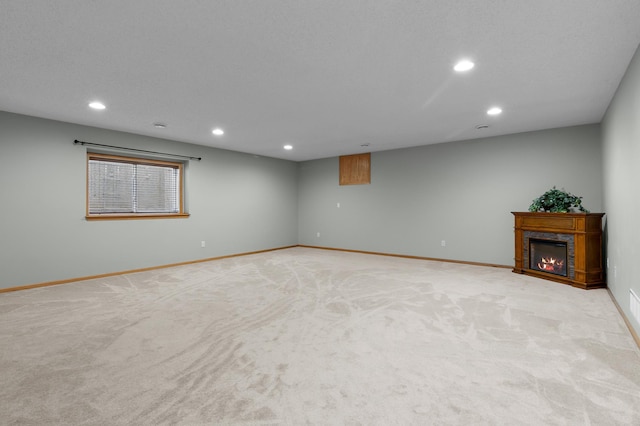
[[238, 203], [621, 172], [460, 192]]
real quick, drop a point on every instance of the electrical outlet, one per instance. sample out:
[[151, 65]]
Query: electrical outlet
[[338, 205], [318, 235], [203, 243], [443, 243]]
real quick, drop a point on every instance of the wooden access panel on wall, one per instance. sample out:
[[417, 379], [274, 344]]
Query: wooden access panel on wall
[[355, 169]]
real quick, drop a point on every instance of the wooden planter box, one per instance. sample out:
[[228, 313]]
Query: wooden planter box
[[583, 231]]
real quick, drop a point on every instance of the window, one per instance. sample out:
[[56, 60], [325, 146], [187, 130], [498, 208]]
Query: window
[[133, 188]]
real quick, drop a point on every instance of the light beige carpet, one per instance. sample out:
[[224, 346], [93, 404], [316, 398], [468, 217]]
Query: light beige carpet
[[306, 336]]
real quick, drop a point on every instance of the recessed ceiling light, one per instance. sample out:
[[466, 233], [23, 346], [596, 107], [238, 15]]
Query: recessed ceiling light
[[217, 131], [494, 111], [464, 65], [288, 147], [97, 105], [159, 125]]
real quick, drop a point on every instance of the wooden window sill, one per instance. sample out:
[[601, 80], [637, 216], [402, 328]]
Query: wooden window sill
[[130, 216]]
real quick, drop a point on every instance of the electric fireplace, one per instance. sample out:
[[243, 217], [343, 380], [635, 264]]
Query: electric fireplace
[[548, 256], [562, 247]]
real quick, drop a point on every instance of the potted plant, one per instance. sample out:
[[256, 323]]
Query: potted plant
[[558, 201]]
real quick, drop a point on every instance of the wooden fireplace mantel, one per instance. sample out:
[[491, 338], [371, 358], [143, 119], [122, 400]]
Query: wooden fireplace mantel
[[585, 232]]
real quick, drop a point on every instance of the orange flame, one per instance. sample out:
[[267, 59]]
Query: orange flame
[[550, 264]]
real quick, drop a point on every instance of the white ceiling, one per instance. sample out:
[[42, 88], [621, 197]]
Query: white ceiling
[[325, 76]]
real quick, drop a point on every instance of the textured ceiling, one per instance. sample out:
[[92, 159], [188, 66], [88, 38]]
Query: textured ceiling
[[325, 76]]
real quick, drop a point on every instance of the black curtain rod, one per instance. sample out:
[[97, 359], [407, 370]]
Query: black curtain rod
[[77, 142]]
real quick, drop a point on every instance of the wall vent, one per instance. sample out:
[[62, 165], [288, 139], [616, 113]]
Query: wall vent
[[634, 305]]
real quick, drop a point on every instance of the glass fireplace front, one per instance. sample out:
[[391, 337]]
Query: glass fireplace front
[[548, 256]]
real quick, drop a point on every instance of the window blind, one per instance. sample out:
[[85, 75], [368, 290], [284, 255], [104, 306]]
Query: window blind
[[129, 187]]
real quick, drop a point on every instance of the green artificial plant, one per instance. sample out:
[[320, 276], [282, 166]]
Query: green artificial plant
[[557, 201]]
